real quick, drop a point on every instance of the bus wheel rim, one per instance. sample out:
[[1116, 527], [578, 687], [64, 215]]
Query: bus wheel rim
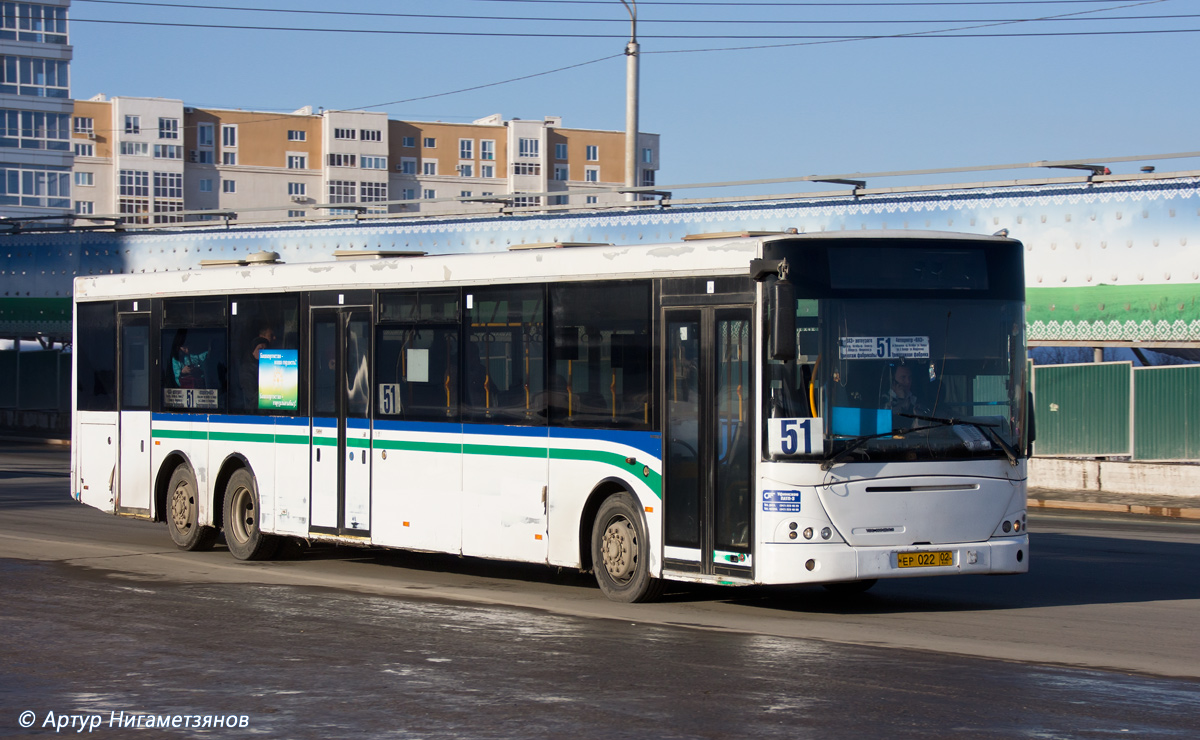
[[243, 511], [182, 503], [619, 548]]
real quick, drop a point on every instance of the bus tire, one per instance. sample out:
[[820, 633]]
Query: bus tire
[[621, 552], [849, 588], [183, 513], [243, 533]]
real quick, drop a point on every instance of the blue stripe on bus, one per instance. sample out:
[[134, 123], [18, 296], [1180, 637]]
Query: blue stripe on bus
[[358, 423], [497, 430], [648, 442], [429, 427], [321, 421]]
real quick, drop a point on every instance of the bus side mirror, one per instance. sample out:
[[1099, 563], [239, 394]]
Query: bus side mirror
[[1030, 423], [783, 320]]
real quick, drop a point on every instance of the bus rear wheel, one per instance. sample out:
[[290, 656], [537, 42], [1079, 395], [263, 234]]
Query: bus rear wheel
[[243, 532], [621, 552], [183, 513]]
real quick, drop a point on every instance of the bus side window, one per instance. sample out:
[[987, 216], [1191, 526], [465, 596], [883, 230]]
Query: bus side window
[[194, 366], [96, 356], [600, 358], [504, 356], [271, 325]]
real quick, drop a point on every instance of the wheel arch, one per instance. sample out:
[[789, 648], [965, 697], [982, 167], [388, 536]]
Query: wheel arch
[[587, 519], [162, 480], [229, 466]]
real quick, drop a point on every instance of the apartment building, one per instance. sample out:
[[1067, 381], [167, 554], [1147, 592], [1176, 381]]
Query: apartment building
[[35, 109], [148, 160]]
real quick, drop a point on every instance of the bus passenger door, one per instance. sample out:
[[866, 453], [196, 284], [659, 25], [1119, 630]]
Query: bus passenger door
[[708, 399], [341, 425], [133, 489]]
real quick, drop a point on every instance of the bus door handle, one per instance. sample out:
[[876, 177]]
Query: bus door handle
[[318, 454]]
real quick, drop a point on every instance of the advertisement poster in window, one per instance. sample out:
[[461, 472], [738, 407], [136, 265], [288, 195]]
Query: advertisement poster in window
[[279, 379]]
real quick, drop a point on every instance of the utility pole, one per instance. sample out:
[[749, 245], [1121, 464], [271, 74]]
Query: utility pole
[[631, 101]]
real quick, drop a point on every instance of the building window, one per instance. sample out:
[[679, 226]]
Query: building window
[[464, 193], [297, 188], [371, 134], [134, 210], [562, 172], [591, 200], [85, 179], [429, 167], [408, 166], [429, 142], [346, 134], [133, 124], [206, 186], [85, 150], [466, 148], [168, 212], [428, 194], [229, 186], [297, 135], [135, 183], [342, 191], [526, 201], [135, 148], [342, 160], [487, 170], [229, 135], [373, 192], [408, 194], [526, 168], [593, 153], [40, 78], [295, 214], [204, 156], [647, 178], [466, 170], [408, 141], [35, 130], [560, 152], [529, 148], [168, 151], [35, 185], [591, 174], [41, 24], [85, 126], [487, 149], [558, 200], [647, 155], [204, 134], [373, 163], [168, 128], [85, 207], [229, 158], [297, 162], [168, 185]]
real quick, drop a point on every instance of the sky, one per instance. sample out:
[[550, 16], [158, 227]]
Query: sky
[[934, 84]]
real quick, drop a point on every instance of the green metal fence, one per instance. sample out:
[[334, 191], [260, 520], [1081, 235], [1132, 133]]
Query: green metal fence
[[1083, 409], [1166, 413]]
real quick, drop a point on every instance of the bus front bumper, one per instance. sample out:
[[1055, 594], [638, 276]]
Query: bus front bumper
[[780, 563]]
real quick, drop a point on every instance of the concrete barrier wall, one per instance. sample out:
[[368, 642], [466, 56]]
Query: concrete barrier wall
[[1110, 476]]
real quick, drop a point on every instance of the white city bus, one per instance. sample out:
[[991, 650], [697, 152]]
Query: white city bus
[[748, 409]]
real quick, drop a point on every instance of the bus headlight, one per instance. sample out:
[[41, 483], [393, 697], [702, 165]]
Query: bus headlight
[[808, 533]]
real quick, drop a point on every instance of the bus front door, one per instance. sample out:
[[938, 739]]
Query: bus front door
[[340, 498], [133, 484], [708, 401]]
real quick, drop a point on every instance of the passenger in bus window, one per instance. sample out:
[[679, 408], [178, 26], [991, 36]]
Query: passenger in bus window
[[188, 366], [248, 374]]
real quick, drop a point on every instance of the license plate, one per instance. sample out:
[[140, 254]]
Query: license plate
[[924, 559]]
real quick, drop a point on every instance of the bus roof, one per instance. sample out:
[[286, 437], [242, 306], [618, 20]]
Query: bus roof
[[719, 256]]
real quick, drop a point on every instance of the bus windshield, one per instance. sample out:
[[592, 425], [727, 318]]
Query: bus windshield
[[907, 372]]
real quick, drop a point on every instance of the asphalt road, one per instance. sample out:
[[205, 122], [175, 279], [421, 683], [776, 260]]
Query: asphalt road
[[103, 615]]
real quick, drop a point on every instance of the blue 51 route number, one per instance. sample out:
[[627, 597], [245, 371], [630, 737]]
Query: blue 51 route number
[[786, 437]]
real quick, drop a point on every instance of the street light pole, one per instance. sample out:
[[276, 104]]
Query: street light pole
[[631, 101]]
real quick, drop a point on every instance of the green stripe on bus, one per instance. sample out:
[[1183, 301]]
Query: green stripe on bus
[[359, 443], [505, 451], [653, 480], [325, 441], [240, 437], [450, 448], [178, 434]]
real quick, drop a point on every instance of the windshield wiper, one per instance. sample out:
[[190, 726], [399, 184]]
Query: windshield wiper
[[856, 442], [987, 429]]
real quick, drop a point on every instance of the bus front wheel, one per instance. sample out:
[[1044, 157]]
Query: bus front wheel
[[243, 532], [183, 513], [621, 552]]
